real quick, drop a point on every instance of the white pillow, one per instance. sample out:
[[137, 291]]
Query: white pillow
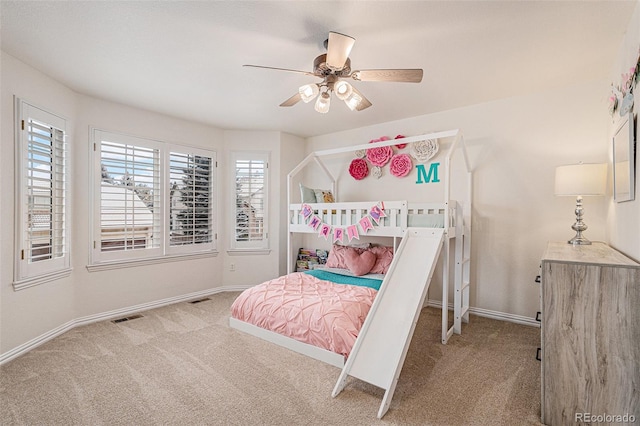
[[307, 195]]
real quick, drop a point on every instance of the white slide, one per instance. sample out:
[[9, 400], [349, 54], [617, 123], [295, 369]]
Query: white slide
[[380, 349]]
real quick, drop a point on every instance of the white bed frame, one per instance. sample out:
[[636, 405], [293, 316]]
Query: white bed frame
[[457, 230]]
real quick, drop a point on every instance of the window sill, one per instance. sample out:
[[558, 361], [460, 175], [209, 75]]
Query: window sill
[[119, 264], [41, 279], [248, 252]]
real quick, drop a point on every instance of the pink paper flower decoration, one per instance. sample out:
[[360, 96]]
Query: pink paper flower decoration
[[400, 145], [379, 156], [401, 165], [381, 139], [359, 168]]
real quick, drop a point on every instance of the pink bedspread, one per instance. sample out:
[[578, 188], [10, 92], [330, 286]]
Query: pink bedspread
[[307, 309]]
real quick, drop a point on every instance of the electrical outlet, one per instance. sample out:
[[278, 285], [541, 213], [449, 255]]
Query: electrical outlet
[[232, 267]]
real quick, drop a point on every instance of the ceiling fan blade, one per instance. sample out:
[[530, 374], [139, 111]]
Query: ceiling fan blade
[[402, 75], [282, 69], [292, 100], [338, 49], [364, 103]]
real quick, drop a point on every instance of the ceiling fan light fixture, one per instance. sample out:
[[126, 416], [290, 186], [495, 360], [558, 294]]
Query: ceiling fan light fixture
[[308, 92], [343, 90], [353, 101], [323, 103], [335, 65]]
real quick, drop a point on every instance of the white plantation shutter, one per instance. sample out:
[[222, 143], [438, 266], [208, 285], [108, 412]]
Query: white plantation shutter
[[151, 200], [46, 192], [42, 238], [128, 201], [250, 204], [190, 201]]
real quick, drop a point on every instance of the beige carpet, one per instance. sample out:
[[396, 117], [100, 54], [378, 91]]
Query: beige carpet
[[182, 364]]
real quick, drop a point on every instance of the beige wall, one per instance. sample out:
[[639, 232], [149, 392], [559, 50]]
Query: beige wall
[[251, 270], [623, 225], [34, 311], [31, 314], [104, 291], [514, 146], [292, 153]]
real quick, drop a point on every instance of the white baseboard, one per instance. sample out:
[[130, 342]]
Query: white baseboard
[[487, 313], [33, 343]]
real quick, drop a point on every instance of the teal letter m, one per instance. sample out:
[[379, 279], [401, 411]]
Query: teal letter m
[[422, 174]]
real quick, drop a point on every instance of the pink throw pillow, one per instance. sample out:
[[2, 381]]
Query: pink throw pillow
[[336, 256], [384, 257], [359, 263]]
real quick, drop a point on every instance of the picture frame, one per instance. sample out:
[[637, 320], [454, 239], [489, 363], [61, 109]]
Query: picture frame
[[624, 160]]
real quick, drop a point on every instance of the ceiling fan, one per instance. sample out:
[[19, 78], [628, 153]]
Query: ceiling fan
[[332, 68]]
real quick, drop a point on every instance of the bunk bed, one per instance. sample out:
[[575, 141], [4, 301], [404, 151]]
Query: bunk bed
[[439, 229]]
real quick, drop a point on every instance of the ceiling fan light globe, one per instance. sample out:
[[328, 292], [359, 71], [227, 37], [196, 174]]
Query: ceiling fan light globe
[[353, 101], [342, 90], [323, 103], [308, 92]]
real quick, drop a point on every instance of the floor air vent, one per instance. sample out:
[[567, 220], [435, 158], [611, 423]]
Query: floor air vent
[[132, 317], [193, 302]]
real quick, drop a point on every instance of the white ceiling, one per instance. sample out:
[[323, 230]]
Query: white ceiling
[[185, 58]]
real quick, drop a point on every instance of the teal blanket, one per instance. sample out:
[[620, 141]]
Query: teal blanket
[[345, 279]]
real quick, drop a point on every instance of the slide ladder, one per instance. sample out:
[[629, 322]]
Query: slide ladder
[[381, 347]]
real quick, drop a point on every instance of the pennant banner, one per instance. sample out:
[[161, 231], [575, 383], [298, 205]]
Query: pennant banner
[[306, 211], [325, 230], [314, 222], [365, 224], [376, 213], [352, 232]]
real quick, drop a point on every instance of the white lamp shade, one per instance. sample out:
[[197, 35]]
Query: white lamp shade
[[323, 103], [581, 179], [342, 89], [308, 92], [353, 101]]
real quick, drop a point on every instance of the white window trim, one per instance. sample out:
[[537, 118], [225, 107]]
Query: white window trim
[[105, 266], [248, 252], [233, 249], [41, 279], [26, 275], [97, 262]]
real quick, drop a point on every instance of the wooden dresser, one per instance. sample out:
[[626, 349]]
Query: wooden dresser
[[590, 334]]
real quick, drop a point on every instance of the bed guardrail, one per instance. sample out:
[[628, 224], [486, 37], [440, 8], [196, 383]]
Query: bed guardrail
[[399, 216], [434, 209], [347, 214]]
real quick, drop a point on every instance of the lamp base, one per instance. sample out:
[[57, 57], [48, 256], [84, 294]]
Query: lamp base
[[579, 240], [579, 226]]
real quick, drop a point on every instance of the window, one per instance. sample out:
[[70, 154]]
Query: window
[[129, 204], [42, 239], [152, 200], [250, 201], [190, 201]]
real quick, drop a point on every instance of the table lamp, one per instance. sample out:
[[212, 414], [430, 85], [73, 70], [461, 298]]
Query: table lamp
[[580, 180]]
